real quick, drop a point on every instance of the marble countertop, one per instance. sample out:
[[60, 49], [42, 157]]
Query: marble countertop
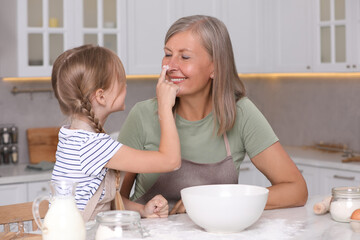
[[10, 174], [290, 223], [318, 158]]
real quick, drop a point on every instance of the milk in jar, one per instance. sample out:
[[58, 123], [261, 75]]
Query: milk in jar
[[63, 219]]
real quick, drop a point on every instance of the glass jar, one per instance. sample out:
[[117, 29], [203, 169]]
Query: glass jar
[[345, 200], [119, 225]]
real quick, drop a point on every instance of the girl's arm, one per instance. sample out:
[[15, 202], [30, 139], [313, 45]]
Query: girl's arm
[[288, 185], [168, 158]]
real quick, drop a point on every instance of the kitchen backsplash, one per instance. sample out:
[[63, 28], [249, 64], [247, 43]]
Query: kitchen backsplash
[[301, 111]]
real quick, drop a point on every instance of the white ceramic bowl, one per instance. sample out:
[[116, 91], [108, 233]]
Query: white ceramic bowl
[[224, 208]]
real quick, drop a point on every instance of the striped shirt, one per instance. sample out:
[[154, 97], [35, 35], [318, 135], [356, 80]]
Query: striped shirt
[[81, 157]]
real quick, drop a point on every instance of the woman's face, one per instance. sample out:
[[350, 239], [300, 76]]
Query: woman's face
[[190, 66]]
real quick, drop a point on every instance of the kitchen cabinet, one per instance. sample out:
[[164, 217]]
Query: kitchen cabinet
[[146, 34], [267, 36], [13, 193], [46, 28], [36, 189], [337, 34], [290, 31], [22, 192], [245, 22], [330, 178]]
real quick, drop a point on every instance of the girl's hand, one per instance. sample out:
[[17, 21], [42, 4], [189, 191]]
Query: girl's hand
[[157, 207], [166, 91]]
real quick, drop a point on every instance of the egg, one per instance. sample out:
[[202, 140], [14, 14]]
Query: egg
[[356, 214]]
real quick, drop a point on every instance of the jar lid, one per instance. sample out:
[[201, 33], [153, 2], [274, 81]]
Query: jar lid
[[117, 216], [353, 192]]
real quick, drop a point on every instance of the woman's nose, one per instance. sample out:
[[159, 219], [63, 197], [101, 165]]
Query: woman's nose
[[171, 62], [173, 65]]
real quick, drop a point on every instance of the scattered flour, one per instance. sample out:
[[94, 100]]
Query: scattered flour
[[264, 229]]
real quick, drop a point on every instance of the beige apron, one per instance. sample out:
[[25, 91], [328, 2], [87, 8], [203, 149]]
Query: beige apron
[[192, 174], [111, 183]]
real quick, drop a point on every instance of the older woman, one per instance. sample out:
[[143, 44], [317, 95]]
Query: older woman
[[217, 123]]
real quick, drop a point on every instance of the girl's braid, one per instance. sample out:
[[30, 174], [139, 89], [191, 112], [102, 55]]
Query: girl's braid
[[87, 111]]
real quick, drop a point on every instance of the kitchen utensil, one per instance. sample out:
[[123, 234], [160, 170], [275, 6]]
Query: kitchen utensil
[[63, 219], [224, 208], [323, 206], [42, 144], [351, 159], [119, 225]]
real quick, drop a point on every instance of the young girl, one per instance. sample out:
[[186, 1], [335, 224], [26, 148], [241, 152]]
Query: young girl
[[90, 83]]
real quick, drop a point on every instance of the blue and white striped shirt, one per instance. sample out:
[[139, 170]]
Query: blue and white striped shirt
[[81, 157]]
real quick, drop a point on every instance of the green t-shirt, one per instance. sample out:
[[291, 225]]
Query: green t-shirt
[[250, 135]]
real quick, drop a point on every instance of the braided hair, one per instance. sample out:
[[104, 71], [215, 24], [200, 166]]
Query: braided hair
[[78, 73]]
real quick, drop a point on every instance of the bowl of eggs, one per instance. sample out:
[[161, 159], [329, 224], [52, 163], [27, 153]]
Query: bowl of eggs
[[355, 220], [224, 208]]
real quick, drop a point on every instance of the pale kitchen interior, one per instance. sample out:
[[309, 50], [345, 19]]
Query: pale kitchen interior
[[299, 59]]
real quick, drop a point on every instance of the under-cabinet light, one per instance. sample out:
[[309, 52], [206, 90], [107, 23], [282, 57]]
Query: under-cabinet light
[[244, 75]]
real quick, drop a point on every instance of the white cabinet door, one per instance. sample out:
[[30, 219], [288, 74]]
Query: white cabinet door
[[330, 178], [336, 31], [291, 24], [46, 28], [311, 176], [148, 22], [245, 22], [13, 193], [249, 174], [36, 189]]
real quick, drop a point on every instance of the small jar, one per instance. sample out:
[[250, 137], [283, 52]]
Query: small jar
[[345, 200], [119, 225]]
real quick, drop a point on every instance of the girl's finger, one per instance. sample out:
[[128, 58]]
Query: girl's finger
[[163, 72]]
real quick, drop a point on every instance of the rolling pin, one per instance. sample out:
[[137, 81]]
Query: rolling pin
[[323, 206]]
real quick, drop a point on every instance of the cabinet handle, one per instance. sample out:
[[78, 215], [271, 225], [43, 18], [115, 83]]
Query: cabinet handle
[[244, 169], [308, 67], [354, 66], [43, 189], [342, 177], [347, 66]]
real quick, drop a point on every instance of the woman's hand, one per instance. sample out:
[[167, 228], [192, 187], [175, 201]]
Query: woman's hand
[[157, 207], [166, 91], [178, 208]]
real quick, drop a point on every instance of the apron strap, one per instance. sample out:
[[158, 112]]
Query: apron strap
[[90, 206], [118, 203], [227, 145]]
